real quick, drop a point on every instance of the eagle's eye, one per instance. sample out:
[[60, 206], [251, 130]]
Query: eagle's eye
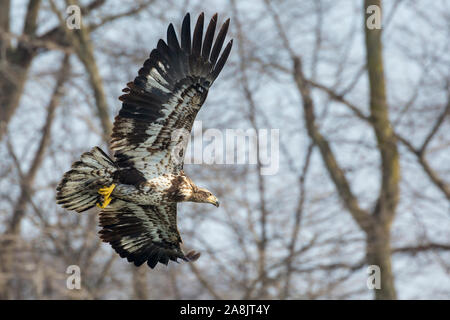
[[206, 194]]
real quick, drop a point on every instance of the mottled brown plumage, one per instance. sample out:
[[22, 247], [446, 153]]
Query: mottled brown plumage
[[141, 187]]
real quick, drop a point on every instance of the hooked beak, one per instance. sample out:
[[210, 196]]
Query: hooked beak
[[213, 200]]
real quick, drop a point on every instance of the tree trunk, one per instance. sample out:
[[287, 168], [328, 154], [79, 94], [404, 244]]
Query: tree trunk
[[378, 235], [140, 288], [16, 62], [378, 250]]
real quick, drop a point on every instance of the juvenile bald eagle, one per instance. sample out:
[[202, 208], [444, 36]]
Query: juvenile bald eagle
[[138, 191]]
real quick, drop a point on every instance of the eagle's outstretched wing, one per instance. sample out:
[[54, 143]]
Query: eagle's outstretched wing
[[166, 96], [143, 233]]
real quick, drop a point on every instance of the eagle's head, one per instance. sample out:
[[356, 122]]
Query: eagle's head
[[204, 196], [190, 192]]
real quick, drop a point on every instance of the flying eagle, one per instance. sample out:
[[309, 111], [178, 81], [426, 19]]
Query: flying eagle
[[138, 192]]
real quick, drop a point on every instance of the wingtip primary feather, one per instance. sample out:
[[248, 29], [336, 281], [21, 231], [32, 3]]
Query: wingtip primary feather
[[209, 37], [198, 36], [219, 41], [172, 40], [223, 58], [186, 34]]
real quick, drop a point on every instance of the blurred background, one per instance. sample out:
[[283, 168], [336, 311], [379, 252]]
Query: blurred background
[[364, 150]]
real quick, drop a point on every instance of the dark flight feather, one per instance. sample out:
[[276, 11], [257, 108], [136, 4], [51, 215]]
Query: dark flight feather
[[186, 34], [198, 35], [219, 42], [209, 36]]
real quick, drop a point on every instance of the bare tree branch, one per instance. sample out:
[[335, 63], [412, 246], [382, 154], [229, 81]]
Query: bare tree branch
[[82, 44]]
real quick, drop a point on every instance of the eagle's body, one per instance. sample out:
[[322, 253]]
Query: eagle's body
[[139, 189], [164, 188]]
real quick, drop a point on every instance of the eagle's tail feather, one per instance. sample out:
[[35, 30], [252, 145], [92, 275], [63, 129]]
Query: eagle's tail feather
[[78, 189]]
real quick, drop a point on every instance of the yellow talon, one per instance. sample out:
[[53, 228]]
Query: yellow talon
[[105, 203], [106, 193]]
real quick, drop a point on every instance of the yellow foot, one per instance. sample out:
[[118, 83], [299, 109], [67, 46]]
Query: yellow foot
[[106, 193], [105, 203]]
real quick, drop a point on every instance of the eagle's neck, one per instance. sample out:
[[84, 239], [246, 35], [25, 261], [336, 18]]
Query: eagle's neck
[[181, 188]]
